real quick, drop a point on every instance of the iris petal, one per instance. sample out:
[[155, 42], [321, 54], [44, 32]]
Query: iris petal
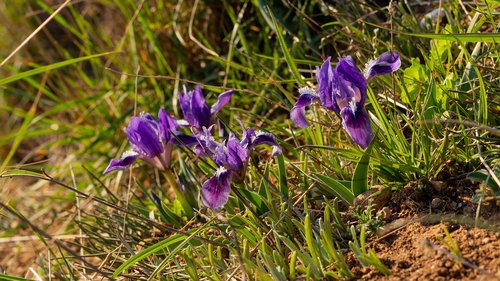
[[349, 83], [183, 139], [324, 76], [199, 109], [233, 156], [237, 155], [222, 100], [142, 134], [215, 191], [184, 101], [166, 125], [357, 124], [127, 159], [248, 136], [269, 139], [388, 62], [297, 114]]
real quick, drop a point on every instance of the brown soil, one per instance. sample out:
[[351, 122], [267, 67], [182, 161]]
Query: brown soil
[[22, 253], [413, 244]]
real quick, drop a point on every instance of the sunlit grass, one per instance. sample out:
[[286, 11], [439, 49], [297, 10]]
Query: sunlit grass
[[69, 93]]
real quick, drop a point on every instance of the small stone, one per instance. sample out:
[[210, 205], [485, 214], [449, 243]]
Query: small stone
[[439, 186], [437, 203], [403, 264], [469, 210], [386, 213], [442, 272], [378, 194]]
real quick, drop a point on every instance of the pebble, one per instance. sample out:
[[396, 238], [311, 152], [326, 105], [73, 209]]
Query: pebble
[[437, 203], [439, 186], [378, 200], [386, 213]]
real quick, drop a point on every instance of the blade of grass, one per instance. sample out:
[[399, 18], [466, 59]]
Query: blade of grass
[[289, 59], [42, 69], [360, 177], [337, 188]]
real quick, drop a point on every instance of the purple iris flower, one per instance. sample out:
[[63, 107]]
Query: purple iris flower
[[232, 159], [343, 90], [195, 109], [151, 140]]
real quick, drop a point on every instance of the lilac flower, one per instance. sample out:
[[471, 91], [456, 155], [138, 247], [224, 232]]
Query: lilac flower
[[215, 191], [151, 140], [195, 109], [232, 159], [343, 90]]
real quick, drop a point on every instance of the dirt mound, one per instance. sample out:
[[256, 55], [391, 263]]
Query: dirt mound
[[414, 244]]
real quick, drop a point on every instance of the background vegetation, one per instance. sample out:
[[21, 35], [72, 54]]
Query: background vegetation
[[67, 94]]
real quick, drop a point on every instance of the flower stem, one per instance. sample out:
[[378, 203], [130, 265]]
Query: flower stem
[[172, 180]]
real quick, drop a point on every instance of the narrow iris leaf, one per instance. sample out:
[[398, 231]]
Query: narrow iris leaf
[[336, 188], [360, 178]]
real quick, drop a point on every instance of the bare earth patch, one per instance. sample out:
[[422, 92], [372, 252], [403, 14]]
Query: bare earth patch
[[414, 246]]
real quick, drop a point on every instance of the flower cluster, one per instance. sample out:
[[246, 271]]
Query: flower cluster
[[231, 157], [343, 90], [152, 140], [195, 109]]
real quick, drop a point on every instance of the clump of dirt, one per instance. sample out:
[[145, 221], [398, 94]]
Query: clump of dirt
[[421, 252], [413, 244], [440, 197]]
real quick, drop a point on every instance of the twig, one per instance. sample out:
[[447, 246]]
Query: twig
[[232, 42], [79, 214], [190, 32], [477, 126], [428, 243], [177, 11], [48, 178], [35, 32], [17, 239], [51, 238], [281, 105]]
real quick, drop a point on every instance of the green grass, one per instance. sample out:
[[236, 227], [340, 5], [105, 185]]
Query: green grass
[[69, 92]]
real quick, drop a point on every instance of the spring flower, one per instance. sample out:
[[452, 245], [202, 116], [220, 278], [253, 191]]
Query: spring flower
[[151, 140], [343, 90], [232, 159], [195, 109]]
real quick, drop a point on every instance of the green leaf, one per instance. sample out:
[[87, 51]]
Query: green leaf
[[335, 188], [284, 47], [4, 277], [283, 186], [18, 172], [360, 178], [310, 241], [483, 176], [255, 199], [170, 244], [461, 37], [49, 67]]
